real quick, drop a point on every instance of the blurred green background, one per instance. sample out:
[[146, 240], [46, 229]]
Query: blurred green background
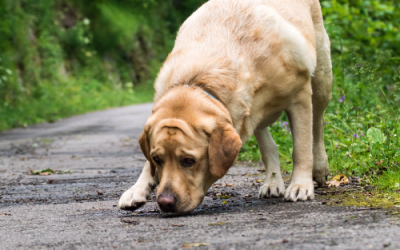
[[64, 57]]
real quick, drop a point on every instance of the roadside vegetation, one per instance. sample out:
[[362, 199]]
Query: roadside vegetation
[[66, 57], [361, 122]]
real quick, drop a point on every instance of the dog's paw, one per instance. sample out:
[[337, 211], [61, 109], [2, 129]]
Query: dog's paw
[[300, 191], [132, 199], [271, 190], [321, 173]]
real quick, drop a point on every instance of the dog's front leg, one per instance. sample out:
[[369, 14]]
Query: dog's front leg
[[273, 183], [138, 194], [301, 186]]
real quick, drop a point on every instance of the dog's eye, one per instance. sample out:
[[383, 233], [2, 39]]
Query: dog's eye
[[187, 162], [157, 160]]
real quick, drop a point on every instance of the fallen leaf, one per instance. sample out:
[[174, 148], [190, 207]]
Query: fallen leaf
[[258, 181], [340, 177], [100, 193], [229, 185], [130, 221], [96, 208], [63, 172], [333, 183], [190, 245], [247, 195], [261, 170], [154, 210], [177, 225], [337, 180], [216, 224], [225, 196], [218, 194], [46, 171], [225, 203], [5, 214]]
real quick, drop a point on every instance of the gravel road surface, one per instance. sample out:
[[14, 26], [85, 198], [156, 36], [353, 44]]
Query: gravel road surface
[[96, 156]]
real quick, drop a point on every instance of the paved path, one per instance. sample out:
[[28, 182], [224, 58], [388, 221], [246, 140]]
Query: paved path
[[99, 157]]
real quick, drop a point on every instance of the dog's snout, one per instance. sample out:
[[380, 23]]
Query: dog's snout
[[167, 202]]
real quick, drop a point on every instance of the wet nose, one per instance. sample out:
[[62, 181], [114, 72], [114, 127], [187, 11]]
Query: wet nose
[[167, 202]]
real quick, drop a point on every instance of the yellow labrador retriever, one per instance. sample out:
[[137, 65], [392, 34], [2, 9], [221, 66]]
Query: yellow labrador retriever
[[236, 66]]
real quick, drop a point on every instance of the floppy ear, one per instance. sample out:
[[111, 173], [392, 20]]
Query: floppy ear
[[145, 147], [224, 145]]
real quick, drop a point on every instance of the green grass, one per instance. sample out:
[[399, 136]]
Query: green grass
[[361, 131], [54, 101]]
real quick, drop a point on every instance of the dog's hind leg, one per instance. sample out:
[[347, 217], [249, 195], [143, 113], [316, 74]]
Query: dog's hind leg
[[322, 93], [273, 184], [138, 194]]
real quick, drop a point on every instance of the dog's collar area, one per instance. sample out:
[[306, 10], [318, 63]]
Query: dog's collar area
[[204, 92]]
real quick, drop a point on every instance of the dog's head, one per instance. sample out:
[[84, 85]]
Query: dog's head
[[190, 143]]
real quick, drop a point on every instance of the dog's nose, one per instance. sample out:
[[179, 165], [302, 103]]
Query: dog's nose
[[167, 202]]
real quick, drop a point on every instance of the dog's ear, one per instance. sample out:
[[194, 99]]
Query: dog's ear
[[223, 148], [145, 147]]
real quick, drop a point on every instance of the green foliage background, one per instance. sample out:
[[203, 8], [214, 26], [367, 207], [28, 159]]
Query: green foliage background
[[64, 57]]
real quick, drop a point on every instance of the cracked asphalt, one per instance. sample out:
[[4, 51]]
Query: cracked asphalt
[[96, 156]]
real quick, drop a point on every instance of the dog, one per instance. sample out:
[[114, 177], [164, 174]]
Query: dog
[[235, 67]]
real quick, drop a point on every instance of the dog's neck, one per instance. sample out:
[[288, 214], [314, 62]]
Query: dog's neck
[[217, 76], [204, 92]]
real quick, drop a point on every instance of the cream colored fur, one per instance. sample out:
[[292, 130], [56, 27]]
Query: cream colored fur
[[259, 58]]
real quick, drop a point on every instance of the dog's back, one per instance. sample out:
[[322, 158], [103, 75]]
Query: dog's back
[[250, 54]]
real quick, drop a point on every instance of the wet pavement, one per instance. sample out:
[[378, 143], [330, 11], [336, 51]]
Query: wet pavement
[[95, 157]]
